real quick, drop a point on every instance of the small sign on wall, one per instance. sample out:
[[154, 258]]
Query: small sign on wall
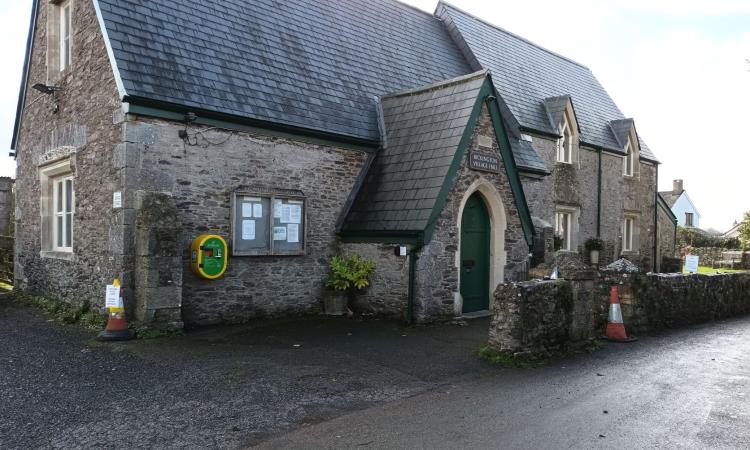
[[117, 200], [486, 162], [691, 263]]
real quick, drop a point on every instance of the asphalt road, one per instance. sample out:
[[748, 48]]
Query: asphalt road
[[683, 389]]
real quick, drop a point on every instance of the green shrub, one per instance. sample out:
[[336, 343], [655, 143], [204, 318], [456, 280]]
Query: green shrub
[[593, 244], [350, 273], [694, 237]]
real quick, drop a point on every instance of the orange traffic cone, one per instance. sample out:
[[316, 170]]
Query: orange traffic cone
[[117, 325], [615, 327]]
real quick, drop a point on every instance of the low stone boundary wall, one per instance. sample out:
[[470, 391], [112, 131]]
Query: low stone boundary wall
[[537, 318]]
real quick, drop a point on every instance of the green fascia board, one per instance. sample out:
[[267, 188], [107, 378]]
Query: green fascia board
[[511, 170], [463, 144], [383, 237], [170, 111]]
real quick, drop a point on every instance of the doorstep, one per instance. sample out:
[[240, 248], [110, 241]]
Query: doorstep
[[476, 314]]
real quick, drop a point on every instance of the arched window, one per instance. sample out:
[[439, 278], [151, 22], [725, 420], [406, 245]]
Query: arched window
[[629, 161], [565, 143]]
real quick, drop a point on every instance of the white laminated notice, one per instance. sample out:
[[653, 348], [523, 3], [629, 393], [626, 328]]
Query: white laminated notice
[[248, 230], [279, 233], [295, 214], [292, 233], [247, 209], [691, 263], [277, 204], [117, 199], [286, 214], [258, 210], [113, 300]]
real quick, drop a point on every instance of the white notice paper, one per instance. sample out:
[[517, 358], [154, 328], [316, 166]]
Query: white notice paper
[[691, 263], [277, 204], [295, 214], [279, 233], [113, 299], [258, 210], [247, 210], [248, 230], [292, 233], [117, 200], [286, 214]]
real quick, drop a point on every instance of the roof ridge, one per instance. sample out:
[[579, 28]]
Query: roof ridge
[[439, 84], [503, 30]]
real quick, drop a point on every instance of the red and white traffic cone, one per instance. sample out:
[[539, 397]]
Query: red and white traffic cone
[[117, 325], [615, 326]]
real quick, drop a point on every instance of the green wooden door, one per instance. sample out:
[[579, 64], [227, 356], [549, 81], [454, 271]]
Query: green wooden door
[[475, 255]]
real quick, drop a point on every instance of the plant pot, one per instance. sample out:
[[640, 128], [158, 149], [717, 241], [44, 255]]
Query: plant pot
[[335, 302], [594, 257]]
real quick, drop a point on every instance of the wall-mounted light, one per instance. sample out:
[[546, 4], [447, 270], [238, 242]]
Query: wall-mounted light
[[44, 89]]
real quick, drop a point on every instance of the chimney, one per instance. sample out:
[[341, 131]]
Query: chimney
[[677, 187]]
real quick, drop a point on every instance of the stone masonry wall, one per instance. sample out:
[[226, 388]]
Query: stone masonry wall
[[541, 317], [389, 286], [83, 130], [666, 232], [437, 289], [576, 186], [202, 172]]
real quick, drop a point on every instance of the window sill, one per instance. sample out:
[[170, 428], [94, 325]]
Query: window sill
[[66, 256], [630, 253], [572, 252]]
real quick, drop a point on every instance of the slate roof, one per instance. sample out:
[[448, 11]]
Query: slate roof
[[526, 74], [555, 107], [670, 197], [312, 64], [423, 129]]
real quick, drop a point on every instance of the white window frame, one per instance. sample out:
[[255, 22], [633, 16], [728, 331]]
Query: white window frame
[[628, 163], [63, 207], [627, 238], [561, 216], [65, 34], [691, 216], [565, 143]]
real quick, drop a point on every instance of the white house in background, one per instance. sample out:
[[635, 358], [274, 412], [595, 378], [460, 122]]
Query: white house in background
[[682, 207], [733, 232]]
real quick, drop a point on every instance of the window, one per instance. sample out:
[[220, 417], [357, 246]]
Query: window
[[688, 219], [268, 223], [565, 143], [564, 229], [65, 48], [57, 208], [628, 234], [627, 169], [62, 199]]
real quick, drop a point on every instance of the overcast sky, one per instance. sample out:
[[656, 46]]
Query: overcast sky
[[678, 67]]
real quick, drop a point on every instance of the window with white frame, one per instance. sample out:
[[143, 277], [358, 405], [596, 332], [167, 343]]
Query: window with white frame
[[565, 228], [57, 208], [629, 161], [65, 32], [565, 143], [688, 219], [629, 233], [62, 199]]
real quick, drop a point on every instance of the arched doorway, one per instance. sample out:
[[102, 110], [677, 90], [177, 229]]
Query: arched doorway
[[475, 255]]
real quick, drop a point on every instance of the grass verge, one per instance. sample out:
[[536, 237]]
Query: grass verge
[[510, 360], [82, 315]]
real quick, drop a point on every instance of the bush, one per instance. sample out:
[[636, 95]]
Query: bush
[[694, 237], [350, 273], [593, 244]]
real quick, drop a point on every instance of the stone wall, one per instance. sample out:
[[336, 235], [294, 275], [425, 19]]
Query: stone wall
[[538, 317], [666, 228], [576, 186], [202, 171], [7, 206], [82, 130], [389, 286], [438, 276], [711, 256]]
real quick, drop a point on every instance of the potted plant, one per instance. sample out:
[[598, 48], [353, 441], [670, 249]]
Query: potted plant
[[594, 246], [348, 276]]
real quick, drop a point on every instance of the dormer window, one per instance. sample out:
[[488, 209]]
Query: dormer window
[[65, 47], [629, 161], [565, 143]]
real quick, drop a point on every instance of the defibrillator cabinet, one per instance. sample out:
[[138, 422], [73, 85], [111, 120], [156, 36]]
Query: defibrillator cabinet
[[208, 258]]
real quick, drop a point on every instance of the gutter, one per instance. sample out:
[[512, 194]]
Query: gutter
[[599, 198], [656, 221]]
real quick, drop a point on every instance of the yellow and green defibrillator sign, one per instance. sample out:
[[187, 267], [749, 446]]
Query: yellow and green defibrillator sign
[[209, 256]]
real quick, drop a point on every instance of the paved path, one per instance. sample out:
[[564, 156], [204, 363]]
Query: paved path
[[685, 389], [214, 388]]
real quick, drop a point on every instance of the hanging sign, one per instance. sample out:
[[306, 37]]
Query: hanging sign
[[486, 162]]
